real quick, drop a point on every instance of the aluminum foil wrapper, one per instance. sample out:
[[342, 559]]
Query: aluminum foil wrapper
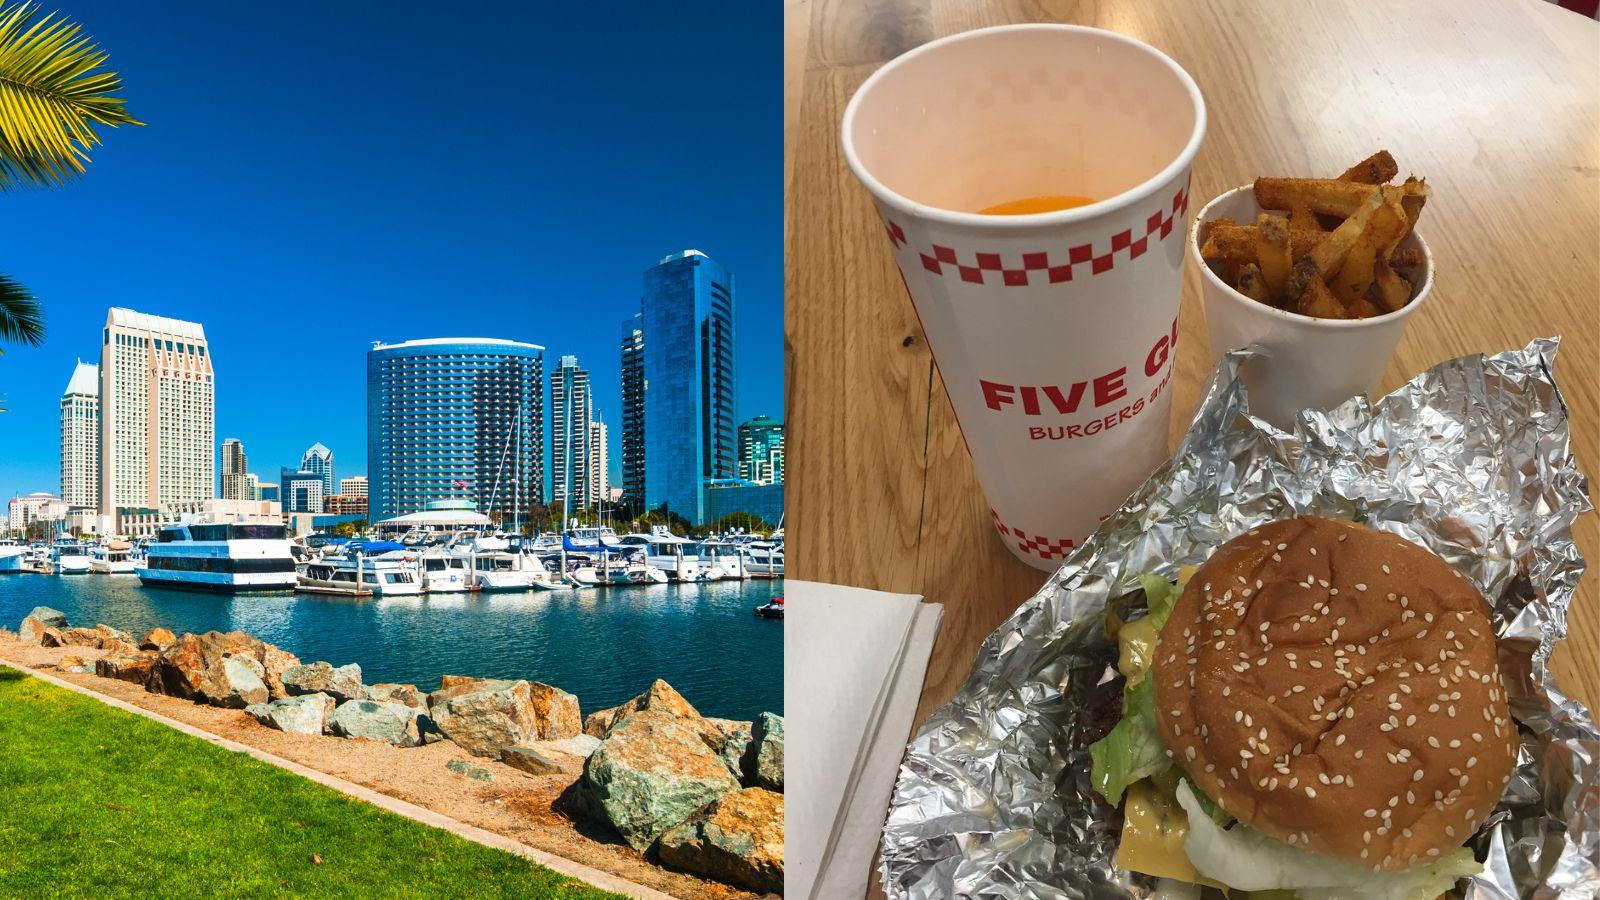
[[1470, 460]]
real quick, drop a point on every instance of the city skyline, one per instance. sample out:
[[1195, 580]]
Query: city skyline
[[277, 223]]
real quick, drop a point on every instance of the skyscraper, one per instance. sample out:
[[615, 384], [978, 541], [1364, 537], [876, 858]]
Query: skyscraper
[[235, 480], [571, 411], [319, 459], [689, 401], [80, 437], [599, 462], [354, 486], [301, 491], [157, 410], [452, 417], [633, 409], [761, 451]]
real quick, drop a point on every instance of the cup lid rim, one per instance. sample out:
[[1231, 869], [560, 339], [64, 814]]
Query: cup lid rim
[[1115, 203]]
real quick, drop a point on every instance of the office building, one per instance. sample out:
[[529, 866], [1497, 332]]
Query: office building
[[301, 491], [252, 486], [633, 409], [455, 417], [340, 505], [764, 501], [761, 451], [599, 463], [571, 412], [80, 438], [38, 506], [354, 486], [689, 400], [266, 491], [235, 480], [157, 411], [319, 459]]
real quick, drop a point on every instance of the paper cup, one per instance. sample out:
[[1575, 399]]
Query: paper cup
[[1306, 362], [1053, 332]]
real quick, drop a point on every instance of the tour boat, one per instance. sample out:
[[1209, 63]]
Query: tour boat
[[665, 551], [389, 573], [223, 556], [113, 558]]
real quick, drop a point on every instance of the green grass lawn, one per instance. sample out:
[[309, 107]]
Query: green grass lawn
[[98, 802]]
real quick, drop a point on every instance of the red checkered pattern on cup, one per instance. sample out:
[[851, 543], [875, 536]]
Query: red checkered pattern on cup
[[1032, 544], [1053, 269]]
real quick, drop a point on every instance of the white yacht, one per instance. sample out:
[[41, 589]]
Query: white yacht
[[112, 558], [666, 551], [721, 560], [71, 557], [764, 559], [12, 554], [388, 574], [225, 557], [496, 567], [443, 572]]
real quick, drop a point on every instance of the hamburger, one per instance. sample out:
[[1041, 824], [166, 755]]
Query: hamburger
[[1317, 709]]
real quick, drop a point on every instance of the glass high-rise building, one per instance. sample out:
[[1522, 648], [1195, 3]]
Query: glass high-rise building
[[571, 412], [761, 451], [689, 400], [455, 417], [633, 410], [319, 459]]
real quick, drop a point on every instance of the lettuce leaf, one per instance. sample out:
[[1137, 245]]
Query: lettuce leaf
[[1246, 859], [1133, 750], [1160, 596]]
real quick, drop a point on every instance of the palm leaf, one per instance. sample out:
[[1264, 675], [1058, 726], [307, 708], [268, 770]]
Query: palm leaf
[[21, 318], [52, 93]]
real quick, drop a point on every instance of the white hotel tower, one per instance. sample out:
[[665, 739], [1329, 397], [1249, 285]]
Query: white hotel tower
[[157, 411], [80, 438]]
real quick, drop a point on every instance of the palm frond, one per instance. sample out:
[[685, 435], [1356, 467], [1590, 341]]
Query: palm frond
[[21, 317], [52, 93]]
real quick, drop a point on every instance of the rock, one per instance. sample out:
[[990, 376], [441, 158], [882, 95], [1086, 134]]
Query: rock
[[729, 738], [35, 622], [557, 711], [450, 681], [118, 648], [392, 723], [737, 840], [469, 769], [51, 637], [404, 694], [78, 665], [763, 761], [113, 635], [142, 668], [582, 745], [659, 696], [81, 637], [652, 772], [242, 679], [304, 714], [274, 662], [342, 683], [157, 638], [538, 760], [195, 668], [485, 716]]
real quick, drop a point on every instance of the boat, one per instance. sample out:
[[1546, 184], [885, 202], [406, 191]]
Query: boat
[[443, 572], [764, 559], [224, 557], [772, 609], [386, 573], [496, 567], [112, 558], [12, 556], [722, 559], [665, 551]]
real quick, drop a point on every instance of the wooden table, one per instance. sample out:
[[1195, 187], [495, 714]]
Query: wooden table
[[1495, 101]]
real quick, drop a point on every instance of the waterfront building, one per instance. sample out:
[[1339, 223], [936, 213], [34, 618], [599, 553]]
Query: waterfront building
[[157, 411], [761, 450], [235, 480], [689, 403], [599, 463], [455, 417], [633, 409], [302, 491], [319, 460], [39, 506], [343, 505], [571, 412], [80, 438], [354, 486], [266, 490], [734, 495]]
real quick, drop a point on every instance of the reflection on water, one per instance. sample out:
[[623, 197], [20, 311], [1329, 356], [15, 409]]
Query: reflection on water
[[603, 645]]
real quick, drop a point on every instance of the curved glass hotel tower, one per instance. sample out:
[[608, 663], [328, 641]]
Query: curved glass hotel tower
[[455, 417]]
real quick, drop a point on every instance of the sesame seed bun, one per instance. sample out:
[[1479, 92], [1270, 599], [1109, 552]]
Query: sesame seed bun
[[1335, 687]]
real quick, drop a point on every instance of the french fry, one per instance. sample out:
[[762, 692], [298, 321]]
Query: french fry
[[1329, 196], [1251, 284], [1363, 308], [1329, 253], [1405, 257], [1272, 254], [1379, 168], [1415, 195], [1374, 243], [1305, 231], [1393, 291], [1229, 241], [1316, 300]]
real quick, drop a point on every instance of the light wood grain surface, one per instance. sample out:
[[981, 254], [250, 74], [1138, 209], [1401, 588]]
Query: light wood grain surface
[[1496, 102]]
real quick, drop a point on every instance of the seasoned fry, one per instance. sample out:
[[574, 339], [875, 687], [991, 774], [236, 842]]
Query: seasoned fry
[[1405, 258], [1321, 195], [1305, 232], [1379, 168], [1329, 254], [1318, 301], [1272, 254], [1393, 291], [1363, 308], [1251, 284], [1374, 243], [1416, 194], [1229, 242]]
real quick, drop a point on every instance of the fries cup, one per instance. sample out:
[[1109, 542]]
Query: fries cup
[[1052, 332], [1306, 362]]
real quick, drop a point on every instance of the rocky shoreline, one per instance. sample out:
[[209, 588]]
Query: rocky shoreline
[[692, 793]]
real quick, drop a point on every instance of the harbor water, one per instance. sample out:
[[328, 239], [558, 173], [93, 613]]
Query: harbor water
[[604, 645]]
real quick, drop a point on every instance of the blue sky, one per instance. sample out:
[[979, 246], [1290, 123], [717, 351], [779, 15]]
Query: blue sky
[[316, 176]]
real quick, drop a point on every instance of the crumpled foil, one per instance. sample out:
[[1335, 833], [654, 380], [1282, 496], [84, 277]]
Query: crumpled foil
[[1470, 460]]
